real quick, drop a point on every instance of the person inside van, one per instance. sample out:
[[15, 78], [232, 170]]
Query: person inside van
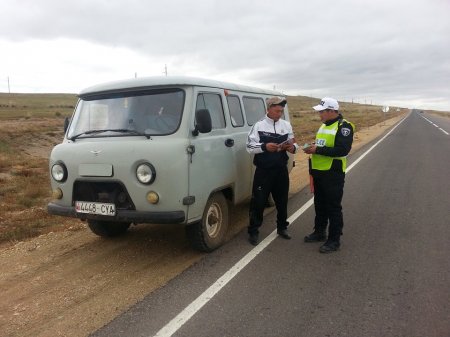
[[269, 139]]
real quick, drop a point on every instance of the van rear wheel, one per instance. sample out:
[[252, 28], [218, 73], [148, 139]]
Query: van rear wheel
[[108, 228], [209, 233]]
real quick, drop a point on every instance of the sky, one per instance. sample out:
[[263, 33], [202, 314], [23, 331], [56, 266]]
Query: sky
[[384, 52]]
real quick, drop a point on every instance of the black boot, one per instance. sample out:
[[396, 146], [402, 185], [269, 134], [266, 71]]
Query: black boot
[[330, 247], [253, 238], [316, 237], [284, 234]]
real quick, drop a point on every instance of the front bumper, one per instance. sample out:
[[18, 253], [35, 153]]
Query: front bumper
[[173, 217]]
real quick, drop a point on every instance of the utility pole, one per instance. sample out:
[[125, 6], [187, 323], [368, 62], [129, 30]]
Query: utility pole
[[165, 69], [9, 94]]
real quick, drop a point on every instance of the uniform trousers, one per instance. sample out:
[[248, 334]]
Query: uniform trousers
[[328, 192], [273, 181]]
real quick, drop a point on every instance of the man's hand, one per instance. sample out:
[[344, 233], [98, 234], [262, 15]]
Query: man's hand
[[310, 149], [272, 147], [288, 147]]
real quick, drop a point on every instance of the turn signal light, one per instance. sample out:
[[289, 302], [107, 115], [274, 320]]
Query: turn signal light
[[57, 193], [152, 197]]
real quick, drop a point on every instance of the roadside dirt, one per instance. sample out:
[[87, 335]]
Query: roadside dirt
[[71, 283]]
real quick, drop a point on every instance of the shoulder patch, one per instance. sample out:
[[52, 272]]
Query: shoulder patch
[[345, 131]]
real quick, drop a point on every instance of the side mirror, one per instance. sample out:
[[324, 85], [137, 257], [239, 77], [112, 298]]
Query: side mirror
[[203, 122], [66, 124]]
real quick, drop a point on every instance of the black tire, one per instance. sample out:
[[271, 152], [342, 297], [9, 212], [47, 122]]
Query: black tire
[[210, 232], [107, 228]]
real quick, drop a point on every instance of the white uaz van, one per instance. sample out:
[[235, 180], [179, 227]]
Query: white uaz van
[[158, 150]]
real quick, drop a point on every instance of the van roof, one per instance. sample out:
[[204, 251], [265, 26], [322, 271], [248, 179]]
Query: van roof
[[163, 81]]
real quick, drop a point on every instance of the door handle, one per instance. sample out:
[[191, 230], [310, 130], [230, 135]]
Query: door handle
[[229, 142]]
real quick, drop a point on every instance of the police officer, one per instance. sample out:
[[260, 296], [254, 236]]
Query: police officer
[[328, 162], [269, 139]]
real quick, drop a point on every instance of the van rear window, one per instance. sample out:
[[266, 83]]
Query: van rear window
[[254, 108]]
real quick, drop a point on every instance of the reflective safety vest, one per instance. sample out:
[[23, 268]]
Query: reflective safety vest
[[325, 137]]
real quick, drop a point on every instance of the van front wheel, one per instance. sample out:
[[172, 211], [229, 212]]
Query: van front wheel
[[209, 233], [107, 228]]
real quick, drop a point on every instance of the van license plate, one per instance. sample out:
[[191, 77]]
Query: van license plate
[[95, 208]]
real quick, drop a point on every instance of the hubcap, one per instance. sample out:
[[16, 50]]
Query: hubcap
[[213, 220]]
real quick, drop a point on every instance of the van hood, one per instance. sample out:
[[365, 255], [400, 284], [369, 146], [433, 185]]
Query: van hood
[[117, 150]]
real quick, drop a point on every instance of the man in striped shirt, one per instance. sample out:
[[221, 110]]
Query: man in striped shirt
[[269, 140]]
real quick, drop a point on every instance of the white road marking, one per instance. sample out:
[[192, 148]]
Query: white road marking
[[178, 321], [429, 121]]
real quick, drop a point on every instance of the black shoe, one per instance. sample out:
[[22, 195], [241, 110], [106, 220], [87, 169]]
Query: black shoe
[[330, 247], [253, 239], [315, 237], [284, 234]]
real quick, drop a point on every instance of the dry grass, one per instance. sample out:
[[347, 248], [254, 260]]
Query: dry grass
[[440, 113], [30, 122], [14, 106], [305, 120]]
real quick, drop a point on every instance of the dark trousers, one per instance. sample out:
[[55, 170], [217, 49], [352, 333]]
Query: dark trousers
[[328, 192], [265, 182]]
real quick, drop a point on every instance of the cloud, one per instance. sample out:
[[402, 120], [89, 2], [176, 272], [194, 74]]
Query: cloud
[[383, 50]]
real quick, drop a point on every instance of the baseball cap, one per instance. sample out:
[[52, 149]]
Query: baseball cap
[[275, 100], [327, 103]]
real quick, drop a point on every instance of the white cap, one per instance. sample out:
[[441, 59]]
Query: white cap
[[327, 103]]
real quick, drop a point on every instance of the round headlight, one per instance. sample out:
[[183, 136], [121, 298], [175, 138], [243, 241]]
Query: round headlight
[[145, 173], [59, 172]]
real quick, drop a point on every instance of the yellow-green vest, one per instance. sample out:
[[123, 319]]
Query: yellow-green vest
[[325, 137]]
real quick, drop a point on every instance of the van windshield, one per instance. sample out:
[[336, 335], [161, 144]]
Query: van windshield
[[150, 112]]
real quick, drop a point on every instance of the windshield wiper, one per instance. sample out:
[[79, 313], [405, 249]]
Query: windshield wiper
[[134, 132]]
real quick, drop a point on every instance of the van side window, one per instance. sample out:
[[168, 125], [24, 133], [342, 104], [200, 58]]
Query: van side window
[[234, 105], [255, 109], [213, 103]]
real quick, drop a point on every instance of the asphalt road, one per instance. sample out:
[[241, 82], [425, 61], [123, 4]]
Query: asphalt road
[[390, 278]]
